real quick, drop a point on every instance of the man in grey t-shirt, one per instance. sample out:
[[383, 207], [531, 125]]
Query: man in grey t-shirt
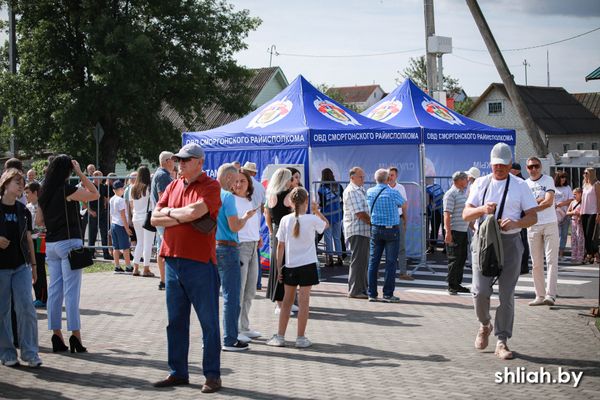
[[456, 239]]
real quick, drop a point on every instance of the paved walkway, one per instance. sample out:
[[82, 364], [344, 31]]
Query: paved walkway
[[420, 348]]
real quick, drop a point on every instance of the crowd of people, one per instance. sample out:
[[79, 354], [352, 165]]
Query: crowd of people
[[207, 237]]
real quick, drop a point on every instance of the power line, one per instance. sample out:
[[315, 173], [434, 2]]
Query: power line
[[479, 62], [388, 53], [536, 46]]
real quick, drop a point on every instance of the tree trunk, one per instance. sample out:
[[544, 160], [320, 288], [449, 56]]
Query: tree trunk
[[108, 149]]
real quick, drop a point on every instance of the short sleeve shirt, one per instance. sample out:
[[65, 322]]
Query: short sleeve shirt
[[384, 209], [160, 181], [12, 257], [454, 204], [301, 250], [400, 189], [117, 204], [56, 218], [539, 188], [519, 198], [228, 209], [355, 201], [183, 241]]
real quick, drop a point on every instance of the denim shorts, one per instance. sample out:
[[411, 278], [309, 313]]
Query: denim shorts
[[120, 239], [305, 275]]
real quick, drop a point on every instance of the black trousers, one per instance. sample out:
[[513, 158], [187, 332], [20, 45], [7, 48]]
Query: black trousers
[[40, 287], [99, 223], [435, 221], [588, 221], [457, 256]]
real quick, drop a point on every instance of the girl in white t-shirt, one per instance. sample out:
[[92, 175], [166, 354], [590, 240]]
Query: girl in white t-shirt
[[296, 238]]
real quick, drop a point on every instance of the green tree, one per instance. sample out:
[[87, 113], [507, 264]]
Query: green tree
[[417, 71], [336, 95], [118, 63]]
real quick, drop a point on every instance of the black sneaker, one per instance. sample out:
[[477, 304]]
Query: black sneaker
[[452, 291], [462, 289], [161, 286], [119, 270], [129, 269], [237, 346]]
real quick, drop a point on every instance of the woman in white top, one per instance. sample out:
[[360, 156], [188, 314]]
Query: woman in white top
[[590, 213], [296, 236], [562, 198], [250, 242], [140, 201]]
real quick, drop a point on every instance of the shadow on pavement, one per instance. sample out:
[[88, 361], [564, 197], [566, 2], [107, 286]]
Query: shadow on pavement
[[450, 305], [84, 311], [8, 391], [589, 368], [252, 394], [379, 318]]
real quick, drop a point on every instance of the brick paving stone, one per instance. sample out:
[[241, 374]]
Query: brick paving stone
[[419, 348]]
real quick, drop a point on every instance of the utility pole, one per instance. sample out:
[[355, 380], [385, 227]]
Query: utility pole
[[272, 50], [12, 62], [430, 57], [507, 78], [548, 66], [525, 64]]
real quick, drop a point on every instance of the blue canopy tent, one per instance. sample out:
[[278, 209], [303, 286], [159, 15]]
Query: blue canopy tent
[[450, 141], [301, 125]]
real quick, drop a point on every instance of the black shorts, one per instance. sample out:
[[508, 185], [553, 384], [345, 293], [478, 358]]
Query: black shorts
[[305, 275]]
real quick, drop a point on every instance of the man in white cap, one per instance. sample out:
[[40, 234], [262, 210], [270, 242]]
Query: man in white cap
[[258, 196], [506, 197], [472, 174], [192, 278], [160, 181]]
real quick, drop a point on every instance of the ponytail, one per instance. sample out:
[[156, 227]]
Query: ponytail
[[298, 196]]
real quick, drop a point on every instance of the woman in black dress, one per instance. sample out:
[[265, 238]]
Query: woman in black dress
[[278, 205]]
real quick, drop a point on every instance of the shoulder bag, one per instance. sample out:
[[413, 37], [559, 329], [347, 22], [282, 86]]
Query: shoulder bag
[[147, 224], [81, 257]]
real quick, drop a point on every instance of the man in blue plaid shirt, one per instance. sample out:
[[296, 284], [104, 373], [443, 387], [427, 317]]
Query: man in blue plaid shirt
[[385, 230]]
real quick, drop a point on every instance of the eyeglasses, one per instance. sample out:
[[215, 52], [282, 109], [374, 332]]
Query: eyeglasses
[[533, 166]]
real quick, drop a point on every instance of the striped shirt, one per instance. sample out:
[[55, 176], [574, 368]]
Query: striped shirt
[[355, 201], [454, 203], [384, 211]]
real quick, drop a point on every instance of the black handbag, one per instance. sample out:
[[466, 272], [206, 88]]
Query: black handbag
[[147, 224], [80, 257]]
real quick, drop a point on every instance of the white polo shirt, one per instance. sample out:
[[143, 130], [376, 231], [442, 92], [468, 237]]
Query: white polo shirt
[[400, 189], [539, 188]]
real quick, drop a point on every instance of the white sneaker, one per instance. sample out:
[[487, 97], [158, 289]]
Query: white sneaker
[[302, 342], [243, 338], [295, 308], [549, 300], [10, 363], [278, 311], [539, 301], [251, 334], [34, 362], [276, 341]]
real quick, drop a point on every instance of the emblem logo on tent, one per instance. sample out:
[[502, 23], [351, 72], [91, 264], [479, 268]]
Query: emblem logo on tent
[[439, 112], [334, 113], [272, 113], [386, 110]]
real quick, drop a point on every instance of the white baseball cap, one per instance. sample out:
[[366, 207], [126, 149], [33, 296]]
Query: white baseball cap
[[473, 172], [501, 154]]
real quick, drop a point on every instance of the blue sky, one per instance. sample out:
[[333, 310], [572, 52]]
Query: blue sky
[[350, 27]]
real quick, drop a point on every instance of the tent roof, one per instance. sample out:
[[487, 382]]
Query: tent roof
[[298, 116], [409, 106]]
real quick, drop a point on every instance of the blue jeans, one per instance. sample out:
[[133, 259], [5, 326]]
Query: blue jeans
[[228, 262], [333, 236], [383, 238], [65, 284], [188, 283], [18, 282], [563, 230]]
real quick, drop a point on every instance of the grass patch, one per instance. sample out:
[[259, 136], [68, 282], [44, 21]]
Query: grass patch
[[598, 323], [99, 267]]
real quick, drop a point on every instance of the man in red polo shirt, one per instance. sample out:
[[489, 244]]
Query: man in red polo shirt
[[191, 274]]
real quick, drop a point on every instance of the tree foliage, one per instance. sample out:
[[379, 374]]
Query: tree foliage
[[337, 96], [417, 71], [118, 62]]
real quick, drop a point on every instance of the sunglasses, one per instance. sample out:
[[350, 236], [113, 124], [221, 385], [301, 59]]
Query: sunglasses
[[186, 159], [533, 166]]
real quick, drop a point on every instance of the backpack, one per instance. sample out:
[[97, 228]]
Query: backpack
[[491, 255]]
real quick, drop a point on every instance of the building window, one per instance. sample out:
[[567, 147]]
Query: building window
[[566, 147], [580, 146], [594, 145], [494, 107]]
